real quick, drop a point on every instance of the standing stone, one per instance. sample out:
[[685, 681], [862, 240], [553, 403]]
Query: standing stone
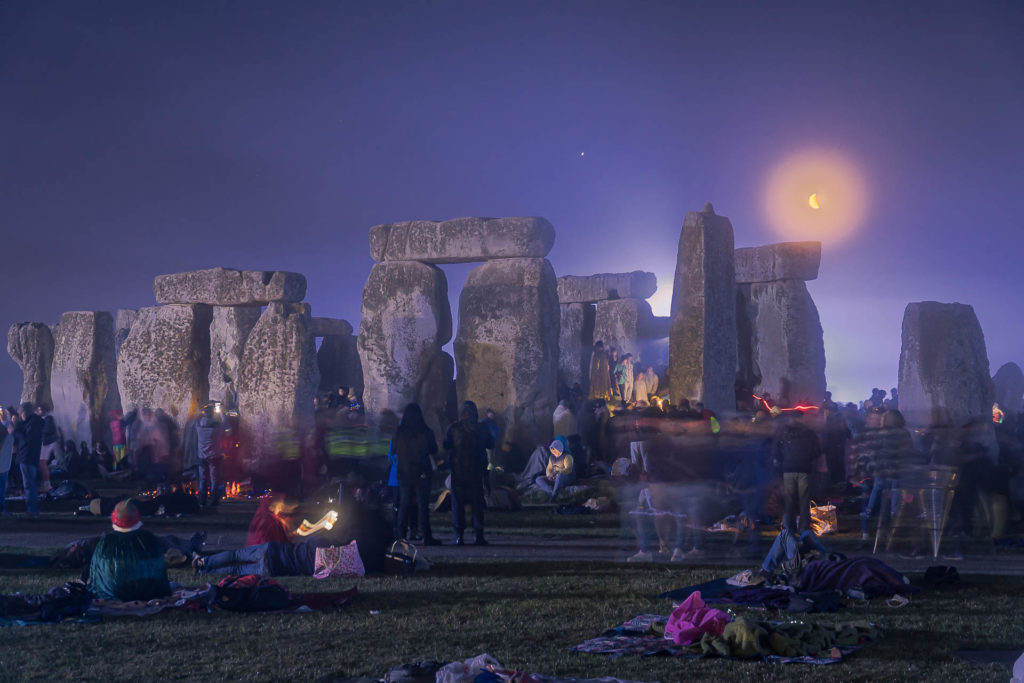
[[229, 287], [165, 361], [123, 320], [507, 346], [279, 377], [944, 372], [338, 360], [781, 347], [593, 288], [624, 324], [406, 319], [702, 344], [31, 347], [575, 342], [84, 380], [229, 329], [323, 327], [462, 240], [1009, 387]]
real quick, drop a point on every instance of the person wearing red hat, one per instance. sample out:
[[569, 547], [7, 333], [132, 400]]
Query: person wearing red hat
[[128, 563]]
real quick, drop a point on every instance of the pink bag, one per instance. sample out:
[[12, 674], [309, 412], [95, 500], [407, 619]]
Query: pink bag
[[338, 561], [693, 619]]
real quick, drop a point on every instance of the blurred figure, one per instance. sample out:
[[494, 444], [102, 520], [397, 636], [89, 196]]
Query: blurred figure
[[6, 456], [600, 374], [50, 447], [835, 437], [466, 444], [28, 445], [412, 447], [118, 436], [796, 449], [210, 436]]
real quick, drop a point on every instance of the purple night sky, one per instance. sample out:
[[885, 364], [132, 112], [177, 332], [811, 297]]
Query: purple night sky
[[141, 138]]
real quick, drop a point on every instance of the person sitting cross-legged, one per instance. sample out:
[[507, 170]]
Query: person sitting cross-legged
[[128, 563], [560, 471]]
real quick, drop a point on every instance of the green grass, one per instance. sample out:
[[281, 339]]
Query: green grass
[[524, 614]]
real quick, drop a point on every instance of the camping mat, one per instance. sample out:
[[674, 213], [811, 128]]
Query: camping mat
[[633, 637]]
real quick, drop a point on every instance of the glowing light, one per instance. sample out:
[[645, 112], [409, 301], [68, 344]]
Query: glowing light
[[582, 153], [815, 194]]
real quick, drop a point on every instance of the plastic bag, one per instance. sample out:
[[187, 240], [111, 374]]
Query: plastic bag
[[467, 671], [823, 519], [692, 619]]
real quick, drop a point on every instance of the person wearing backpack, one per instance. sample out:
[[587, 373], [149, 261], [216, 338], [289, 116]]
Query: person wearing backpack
[[796, 449], [466, 443]]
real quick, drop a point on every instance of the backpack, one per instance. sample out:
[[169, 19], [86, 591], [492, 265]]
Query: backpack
[[251, 593], [464, 457]]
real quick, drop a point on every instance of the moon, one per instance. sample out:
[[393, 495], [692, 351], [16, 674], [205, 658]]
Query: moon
[[813, 201]]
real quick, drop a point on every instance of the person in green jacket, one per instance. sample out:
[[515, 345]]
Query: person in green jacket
[[128, 563]]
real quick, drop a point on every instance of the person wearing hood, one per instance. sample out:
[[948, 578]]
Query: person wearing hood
[[128, 563], [466, 443], [600, 373], [559, 472]]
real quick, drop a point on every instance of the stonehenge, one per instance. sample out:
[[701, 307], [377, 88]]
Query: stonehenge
[[83, 381], [31, 347], [462, 240], [229, 329], [228, 287]]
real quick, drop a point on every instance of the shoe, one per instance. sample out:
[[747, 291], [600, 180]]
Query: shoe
[[642, 556], [677, 555], [430, 540], [480, 540], [458, 541], [864, 537]]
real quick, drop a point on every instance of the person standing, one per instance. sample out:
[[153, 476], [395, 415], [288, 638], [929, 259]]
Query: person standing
[[51, 445], [29, 446], [797, 449], [412, 447], [466, 443], [600, 381], [210, 436], [117, 435]]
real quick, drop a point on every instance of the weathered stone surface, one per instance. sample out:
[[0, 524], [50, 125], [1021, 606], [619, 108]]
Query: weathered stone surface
[[83, 381], [462, 240], [781, 348], [229, 329], [593, 288], [31, 347], [781, 261], [1009, 388], [123, 320], [338, 360], [434, 391], [944, 372], [279, 377], [322, 327], [406, 319], [702, 345], [228, 287], [575, 343], [624, 324], [507, 346], [165, 361]]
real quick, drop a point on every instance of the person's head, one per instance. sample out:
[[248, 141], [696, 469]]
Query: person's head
[[101, 447], [279, 504], [614, 353], [559, 447], [599, 345], [469, 412], [125, 516], [42, 408], [26, 410], [84, 447], [412, 418]]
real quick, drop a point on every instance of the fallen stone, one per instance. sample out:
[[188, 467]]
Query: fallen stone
[[228, 287], [165, 361], [506, 350], [406, 319], [944, 372], [593, 288], [322, 327], [782, 261], [229, 328], [338, 360], [31, 347], [278, 380], [781, 347], [575, 343], [83, 381], [1009, 388], [624, 324], [702, 344], [462, 240]]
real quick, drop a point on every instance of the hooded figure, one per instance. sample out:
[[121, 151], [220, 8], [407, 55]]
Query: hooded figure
[[560, 470], [600, 374], [466, 444], [128, 563]]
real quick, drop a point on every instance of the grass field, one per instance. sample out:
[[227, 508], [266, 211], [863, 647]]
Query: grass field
[[526, 614]]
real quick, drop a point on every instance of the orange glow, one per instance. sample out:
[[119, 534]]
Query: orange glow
[[838, 197]]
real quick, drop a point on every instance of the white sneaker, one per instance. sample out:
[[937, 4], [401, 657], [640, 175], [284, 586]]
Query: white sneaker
[[678, 555], [642, 556], [865, 536]]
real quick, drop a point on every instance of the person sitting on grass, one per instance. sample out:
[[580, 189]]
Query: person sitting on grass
[[559, 472], [275, 520], [128, 563]]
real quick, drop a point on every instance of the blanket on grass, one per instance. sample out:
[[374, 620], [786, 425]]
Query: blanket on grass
[[744, 638]]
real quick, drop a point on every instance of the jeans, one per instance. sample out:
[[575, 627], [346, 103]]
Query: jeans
[[872, 491], [561, 480], [209, 471], [420, 489], [787, 546], [30, 482], [254, 559], [473, 494], [796, 493]]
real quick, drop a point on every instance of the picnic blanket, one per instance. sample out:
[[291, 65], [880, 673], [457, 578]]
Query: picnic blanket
[[744, 638]]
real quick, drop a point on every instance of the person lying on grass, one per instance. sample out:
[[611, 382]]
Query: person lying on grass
[[128, 563]]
